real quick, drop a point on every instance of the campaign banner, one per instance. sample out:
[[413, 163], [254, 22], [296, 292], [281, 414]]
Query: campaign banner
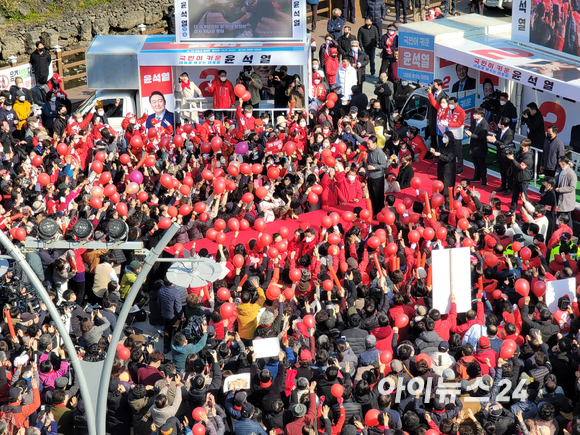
[[501, 58], [233, 19], [451, 274], [416, 57], [157, 98], [8, 76]]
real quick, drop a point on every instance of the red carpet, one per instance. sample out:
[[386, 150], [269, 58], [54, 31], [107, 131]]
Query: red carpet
[[427, 171]]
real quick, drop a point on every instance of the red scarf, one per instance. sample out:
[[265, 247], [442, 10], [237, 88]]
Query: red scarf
[[389, 43], [184, 85]]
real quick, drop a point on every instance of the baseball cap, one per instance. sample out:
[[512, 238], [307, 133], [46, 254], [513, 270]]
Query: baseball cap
[[333, 50], [14, 392], [443, 346], [305, 355], [396, 365], [566, 237], [371, 341], [60, 382], [483, 342], [26, 317], [240, 397], [353, 109], [490, 241]]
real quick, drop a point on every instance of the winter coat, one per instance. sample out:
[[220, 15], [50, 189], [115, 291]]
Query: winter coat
[[179, 353], [127, 281], [546, 327], [536, 131], [334, 27], [525, 172], [346, 78], [40, 64], [376, 9], [566, 194], [223, 94], [118, 413], [428, 342], [160, 416], [141, 416], [355, 337], [344, 43], [478, 138]]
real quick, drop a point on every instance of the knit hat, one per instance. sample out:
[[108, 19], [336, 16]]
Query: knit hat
[[267, 318], [396, 366], [14, 392], [352, 263], [299, 410], [448, 375], [240, 398], [61, 382], [370, 341], [134, 265]]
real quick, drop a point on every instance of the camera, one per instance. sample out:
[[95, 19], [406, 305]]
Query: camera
[[19, 294], [491, 102], [526, 112], [89, 308]]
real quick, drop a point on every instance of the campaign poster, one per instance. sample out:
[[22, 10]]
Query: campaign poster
[[416, 57], [240, 19], [157, 98], [8, 76]]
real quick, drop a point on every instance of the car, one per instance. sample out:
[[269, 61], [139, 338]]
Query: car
[[500, 4]]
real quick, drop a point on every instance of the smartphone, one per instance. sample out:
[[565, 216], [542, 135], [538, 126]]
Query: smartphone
[[342, 337], [565, 304]]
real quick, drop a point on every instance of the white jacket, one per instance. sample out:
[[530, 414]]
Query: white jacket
[[346, 79]]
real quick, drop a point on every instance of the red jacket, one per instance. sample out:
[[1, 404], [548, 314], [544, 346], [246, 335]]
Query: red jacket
[[21, 418], [445, 323], [244, 123], [295, 428], [223, 94], [211, 129], [418, 147], [74, 127], [331, 66], [462, 329], [348, 191]]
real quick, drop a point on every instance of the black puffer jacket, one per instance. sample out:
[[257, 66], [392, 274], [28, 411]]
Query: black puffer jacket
[[355, 337], [199, 397], [141, 416], [118, 413]]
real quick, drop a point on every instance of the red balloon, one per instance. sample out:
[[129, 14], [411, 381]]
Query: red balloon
[[414, 218], [317, 188], [96, 202], [295, 275], [239, 90], [389, 218], [288, 293], [432, 432], [203, 217], [401, 321], [110, 190], [525, 254], [330, 161], [328, 285], [188, 181], [100, 156], [467, 243], [337, 390], [496, 294], [152, 133], [223, 293], [125, 158], [348, 216], [335, 218], [178, 247], [414, 236], [386, 356], [428, 234], [283, 231], [266, 239], [463, 224], [408, 202], [256, 169], [341, 147], [333, 239], [166, 181], [211, 234], [312, 198], [174, 183], [43, 179], [462, 212], [122, 209], [219, 186], [143, 196], [381, 234], [539, 288], [172, 211], [205, 147], [365, 214], [234, 224], [233, 170], [372, 417], [37, 160], [247, 96], [508, 349], [97, 167], [244, 225], [332, 97], [308, 320], [392, 248], [61, 149], [273, 173], [491, 260], [282, 246], [457, 204], [522, 286], [238, 260], [20, 234], [149, 162], [198, 412], [437, 186], [441, 233], [185, 209], [261, 192], [124, 353], [198, 429], [164, 141], [290, 148], [216, 143], [105, 178], [273, 293], [199, 207], [374, 242], [177, 140], [220, 224], [207, 175], [115, 198], [326, 222], [437, 200], [516, 246], [188, 128], [260, 225], [220, 238], [416, 183], [164, 223], [401, 209]]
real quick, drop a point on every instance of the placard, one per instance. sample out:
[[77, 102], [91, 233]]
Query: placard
[[416, 57], [266, 347], [556, 289], [451, 268], [239, 382]]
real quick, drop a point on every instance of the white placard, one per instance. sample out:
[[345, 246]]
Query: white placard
[[451, 267], [266, 347], [241, 382], [556, 289]]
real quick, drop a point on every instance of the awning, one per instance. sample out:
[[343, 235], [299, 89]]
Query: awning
[[497, 55]]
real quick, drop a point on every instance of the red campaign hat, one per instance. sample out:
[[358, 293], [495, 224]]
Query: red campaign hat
[[51, 203], [305, 355], [155, 121], [490, 241], [316, 76], [334, 50], [509, 318], [484, 342]]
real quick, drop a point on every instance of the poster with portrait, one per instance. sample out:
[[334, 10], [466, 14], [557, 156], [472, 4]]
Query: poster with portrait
[[240, 19], [157, 98]]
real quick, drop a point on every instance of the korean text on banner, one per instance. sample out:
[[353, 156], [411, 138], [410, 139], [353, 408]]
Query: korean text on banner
[[556, 289], [157, 97], [451, 268], [416, 57], [8, 76]]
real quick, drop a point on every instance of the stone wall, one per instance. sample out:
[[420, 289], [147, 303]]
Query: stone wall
[[76, 29]]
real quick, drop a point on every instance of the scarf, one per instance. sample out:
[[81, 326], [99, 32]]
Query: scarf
[[185, 85], [290, 377], [389, 43]]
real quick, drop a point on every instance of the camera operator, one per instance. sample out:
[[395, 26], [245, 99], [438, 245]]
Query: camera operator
[[534, 120], [504, 142], [252, 83], [507, 110], [280, 81], [109, 312]]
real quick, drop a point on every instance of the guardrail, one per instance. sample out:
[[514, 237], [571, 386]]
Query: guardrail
[[60, 66]]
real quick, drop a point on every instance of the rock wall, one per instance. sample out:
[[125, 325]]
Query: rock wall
[[77, 28]]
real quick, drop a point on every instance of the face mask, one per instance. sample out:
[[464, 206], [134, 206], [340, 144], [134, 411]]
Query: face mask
[[352, 177], [248, 115], [396, 143], [34, 125], [132, 121], [452, 106], [444, 105], [308, 239], [223, 79], [325, 130], [211, 118], [326, 144], [316, 81], [38, 112], [344, 65], [79, 120], [315, 67], [383, 79], [53, 99], [77, 140], [355, 49], [302, 124], [328, 41], [362, 174], [21, 98], [476, 118], [404, 83], [20, 85], [391, 32], [101, 112], [445, 139], [408, 134], [502, 103]]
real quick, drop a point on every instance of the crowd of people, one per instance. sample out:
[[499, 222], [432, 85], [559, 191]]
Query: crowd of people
[[346, 295]]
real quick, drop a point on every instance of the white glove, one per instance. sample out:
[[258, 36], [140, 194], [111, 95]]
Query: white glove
[[184, 135], [137, 126], [93, 110], [445, 123], [358, 64]]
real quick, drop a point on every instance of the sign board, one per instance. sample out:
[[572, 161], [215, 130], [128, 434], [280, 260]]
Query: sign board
[[157, 93], [556, 289], [266, 347], [451, 269], [8, 76], [261, 20], [416, 57]]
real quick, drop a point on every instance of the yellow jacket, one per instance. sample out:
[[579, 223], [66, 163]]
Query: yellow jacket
[[22, 109], [381, 139], [247, 316]]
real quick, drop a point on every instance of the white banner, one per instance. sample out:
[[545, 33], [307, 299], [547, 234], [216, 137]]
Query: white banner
[[556, 289], [451, 270]]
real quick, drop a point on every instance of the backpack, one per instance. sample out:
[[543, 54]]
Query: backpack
[[12, 425]]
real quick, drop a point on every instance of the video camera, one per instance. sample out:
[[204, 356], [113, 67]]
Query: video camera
[[89, 308], [491, 102], [18, 294]]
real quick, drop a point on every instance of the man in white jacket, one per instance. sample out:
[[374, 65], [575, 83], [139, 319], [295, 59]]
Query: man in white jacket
[[441, 360], [346, 78]]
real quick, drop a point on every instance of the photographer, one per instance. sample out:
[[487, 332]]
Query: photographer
[[76, 312], [280, 81], [252, 83], [534, 120], [91, 333], [295, 93]]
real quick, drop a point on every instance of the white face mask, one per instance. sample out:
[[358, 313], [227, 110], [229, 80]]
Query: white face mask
[[132, 121], [353, 115], [308, 239], [476, 118], [302, 124], [53, 99], [211, 118], [79, 120], [355, 49], [444, 105], [452, 106], [408, 134], [20, 85], [21, 98], [317, 81], [77, 140], [315, 67], [325, 130], [101, 112], [502, 103], [391, 32], [248, 115], [445, 139], [404, 83], [396, 143], [223, 79], [352, 177]]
